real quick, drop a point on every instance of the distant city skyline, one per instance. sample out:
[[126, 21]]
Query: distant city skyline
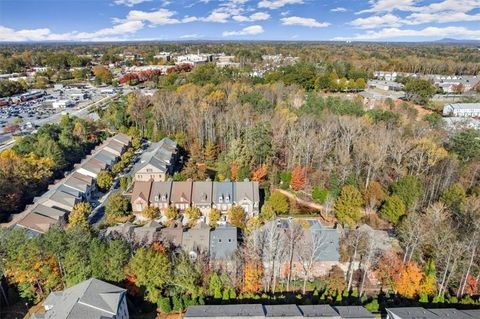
[[299, 20]]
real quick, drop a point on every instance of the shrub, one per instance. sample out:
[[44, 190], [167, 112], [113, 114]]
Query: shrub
[[165, 305]]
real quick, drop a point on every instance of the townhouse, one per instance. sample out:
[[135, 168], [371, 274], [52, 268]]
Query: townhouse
[[257, 311], [157, 161], [204, 195], [53, 207]]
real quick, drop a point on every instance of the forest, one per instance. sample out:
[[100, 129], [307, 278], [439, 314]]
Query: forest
[[388, 168]]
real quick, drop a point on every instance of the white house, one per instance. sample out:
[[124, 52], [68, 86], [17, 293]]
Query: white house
[[462, 110]]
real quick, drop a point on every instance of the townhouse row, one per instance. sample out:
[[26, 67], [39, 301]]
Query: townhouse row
[[204, 195], [53, 207]]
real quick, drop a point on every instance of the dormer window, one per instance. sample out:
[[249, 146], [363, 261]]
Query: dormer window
[[227, 199], [220, 199], [204, 197], [164, 197], [156, 198]]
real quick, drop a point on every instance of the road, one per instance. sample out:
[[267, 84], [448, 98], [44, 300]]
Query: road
[[55, 118]]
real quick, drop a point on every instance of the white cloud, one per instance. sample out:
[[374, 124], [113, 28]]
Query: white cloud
[[377, 21], [390, 5], [306, 22], [338, 9], [217, 16], [251, 30], [159, 17], [430, 32], [191, 36], [275, 4], [114, 33], [258, 16], [129, 3], [441, 17]]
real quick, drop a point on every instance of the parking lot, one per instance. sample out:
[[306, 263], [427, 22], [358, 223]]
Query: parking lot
[[32, 114]]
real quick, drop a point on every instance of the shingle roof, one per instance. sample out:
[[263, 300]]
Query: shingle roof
[[412, 313], [91, 299], [36, 222], [202, 192], [244, 190], [122, 138], [160, 192], [277, 311], [50, 212], [321, 311], [253, 310], [158, 154], [330, 237], [222, 190], [353, 312], [450, 313], [141, 190], [181, 192], [223, 242], [197, 239], [472, 313]]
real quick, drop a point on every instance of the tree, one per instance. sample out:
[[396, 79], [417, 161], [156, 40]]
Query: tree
[[210, 154], [172, 214], [215, 286], [260, 173], [193, 214], [252, 277], [348, 206], [466, 144], [186, 275], [319, 194], [393, 209], [454, 197], [298, 178], [150, 212], [152, 270], [102, 74], [373, 195], [117, 206], [336, 280], [237, 217], [408, 282], [419, 91], [409, 189], [104, 180], [213, 217], [79, 216], [278, 203]]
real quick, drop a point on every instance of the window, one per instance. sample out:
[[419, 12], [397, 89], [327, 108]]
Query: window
[[149, 170], [156, 198], [229, 240], [219, 240]]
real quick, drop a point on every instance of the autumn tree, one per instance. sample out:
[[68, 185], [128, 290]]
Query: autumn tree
[[117, 206], [373, 195], [79, 215], [409, 280], [237, 217], [277, 203], [193, 214], [150, 212], [213, 217], [336, 280], [102, 75], [260, 173], [172, 214], [298, 178], [104, 180], [252, 277], [348, 206]]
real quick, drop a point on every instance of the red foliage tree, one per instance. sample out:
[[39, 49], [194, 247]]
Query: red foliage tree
[[298, 178]]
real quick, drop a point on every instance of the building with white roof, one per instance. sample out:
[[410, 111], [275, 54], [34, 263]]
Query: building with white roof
[[462, 110]]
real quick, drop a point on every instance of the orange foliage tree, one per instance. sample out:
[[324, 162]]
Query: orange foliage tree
[[472, 285], [409, 280], [234, 171], [252, 277], [260, 173], [298, 178], [388, 269]]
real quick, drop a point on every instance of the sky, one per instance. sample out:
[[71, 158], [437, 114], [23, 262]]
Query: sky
[[291, 20]]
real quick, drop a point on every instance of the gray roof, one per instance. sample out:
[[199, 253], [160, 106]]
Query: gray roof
[[223, 242], [245, 190], [330, 237], [475, 313], [91, 299], [69, 190], [197, 239], [158, 154], [91, 167], [412, 313], [122, 138], [115, 145], [222, 190], [51, 212], [106, 157], [276, 311], [64, 198], [77, 183], [172, 235], [446, 313], [464, 106], [202, 192], [321, 311], [354, 312], [231, 311], [160, 192], [147, 233]]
